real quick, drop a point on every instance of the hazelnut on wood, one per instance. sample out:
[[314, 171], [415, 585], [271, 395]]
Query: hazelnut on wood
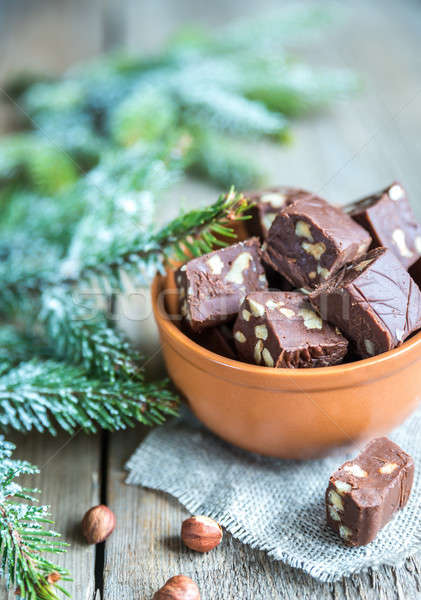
[[179, 587], [201, 533], [98, 523]]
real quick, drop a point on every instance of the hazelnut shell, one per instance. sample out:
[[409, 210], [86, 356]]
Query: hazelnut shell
[[201, 533], [179, 587], [98, 523]]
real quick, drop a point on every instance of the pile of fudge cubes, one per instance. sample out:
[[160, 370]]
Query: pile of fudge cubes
[[311, 284]]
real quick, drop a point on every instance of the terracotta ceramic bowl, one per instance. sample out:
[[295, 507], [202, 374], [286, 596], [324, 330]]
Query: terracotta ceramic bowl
[[290, 413]]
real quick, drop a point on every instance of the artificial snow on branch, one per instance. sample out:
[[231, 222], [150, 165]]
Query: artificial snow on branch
[[190, 234], [24, 534], [45, 394]]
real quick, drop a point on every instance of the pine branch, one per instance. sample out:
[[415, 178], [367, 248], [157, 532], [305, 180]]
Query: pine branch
[[114, 201], [50, 219], [34, 160], [216, 158], [16, 347], [120, 196], [190, 234], [26, 266], [43, 394], [24, 537], [78, 331], [193, 233], [227, 111], [296, 89], [147, 114]]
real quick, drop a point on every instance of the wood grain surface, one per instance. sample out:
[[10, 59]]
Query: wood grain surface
[[355, 148]]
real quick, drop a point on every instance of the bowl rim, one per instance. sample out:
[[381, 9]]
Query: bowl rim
[[365, 365]]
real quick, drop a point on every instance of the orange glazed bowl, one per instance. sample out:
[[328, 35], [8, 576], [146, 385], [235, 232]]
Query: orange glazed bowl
[[289, 413]]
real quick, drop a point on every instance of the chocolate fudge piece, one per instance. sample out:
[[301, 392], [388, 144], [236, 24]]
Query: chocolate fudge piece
[[212, 287], [373, 301], [219, 340], [364, 493], [275, 280], [281, 329], [267, 205], [310, 240], [389, 219], [415, 272]]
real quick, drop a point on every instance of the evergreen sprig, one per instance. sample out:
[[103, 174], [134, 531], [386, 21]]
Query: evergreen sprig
[[16, 347], [107, 388], [24, 536], [26, 265], [77, 330], [216, 158], [42, 395], [200, 231], [191, 234]]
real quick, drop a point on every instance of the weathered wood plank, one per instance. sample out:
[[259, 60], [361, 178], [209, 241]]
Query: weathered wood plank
[[46, 35], [69, 481]]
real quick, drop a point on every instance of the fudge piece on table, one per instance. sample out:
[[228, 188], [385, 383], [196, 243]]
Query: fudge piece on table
[[212, 287], [310, 240], [267, 205], [364, 493], [373, 301], [389, 219], [281, 329]]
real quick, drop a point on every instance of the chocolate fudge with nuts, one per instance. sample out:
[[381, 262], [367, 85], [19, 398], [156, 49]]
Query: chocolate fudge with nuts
[[374, 301], [212, 287], [310, 240], [281, 329], [414, 271], [218, 339], [267, 204], [388, 217], [365, 493]]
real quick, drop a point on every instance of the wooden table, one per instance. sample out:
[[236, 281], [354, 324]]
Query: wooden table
[[358, 147]]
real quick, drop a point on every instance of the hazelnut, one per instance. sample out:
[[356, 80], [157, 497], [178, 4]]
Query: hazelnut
[[258, 352], [261, 332], [240, 264], [267, 357], [97, 524], [398, 237], [215, 264], [201, 533], [240, 337], [179, 587], [311, 320]]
